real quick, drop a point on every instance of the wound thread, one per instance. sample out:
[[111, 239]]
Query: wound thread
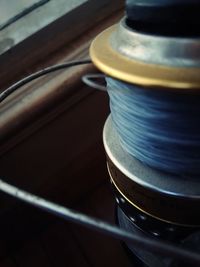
[[161, 128]]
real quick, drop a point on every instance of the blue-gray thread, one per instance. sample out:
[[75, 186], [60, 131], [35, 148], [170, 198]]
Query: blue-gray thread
[[160, 128]]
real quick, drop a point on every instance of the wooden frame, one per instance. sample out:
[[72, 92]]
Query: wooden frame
[[37, 119], [26, 105], [51, 129], [34, 44]]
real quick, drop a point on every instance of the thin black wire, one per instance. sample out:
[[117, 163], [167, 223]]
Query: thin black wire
[[31, 77], [152, 245]]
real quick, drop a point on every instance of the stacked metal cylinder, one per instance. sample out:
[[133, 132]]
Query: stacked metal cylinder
[[156, 46]]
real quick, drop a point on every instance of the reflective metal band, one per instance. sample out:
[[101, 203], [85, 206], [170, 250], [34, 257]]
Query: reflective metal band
[[121, 62], [168, 197], [165, 208], [153, 49], [136, 171]]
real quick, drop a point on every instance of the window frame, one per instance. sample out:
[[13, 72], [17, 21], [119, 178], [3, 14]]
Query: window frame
[[41, 101], [33, 43]]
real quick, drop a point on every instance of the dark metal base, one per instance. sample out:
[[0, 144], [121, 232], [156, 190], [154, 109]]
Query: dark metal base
[[131, 256], [140, 257]]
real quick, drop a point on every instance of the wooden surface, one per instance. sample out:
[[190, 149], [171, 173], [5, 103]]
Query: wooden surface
[[57, 154], [63, 161], [58, 33], [41, 101]]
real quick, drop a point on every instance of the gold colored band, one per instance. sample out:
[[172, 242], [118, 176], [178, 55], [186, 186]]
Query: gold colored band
[[120, 67], [157, 205], [133, 204]]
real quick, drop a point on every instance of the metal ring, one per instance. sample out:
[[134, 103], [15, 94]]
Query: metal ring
[[89, 79], [122, 67]]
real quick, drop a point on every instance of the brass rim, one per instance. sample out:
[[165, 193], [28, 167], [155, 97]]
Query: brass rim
[[145, 212], [133, 204], [120, 67]]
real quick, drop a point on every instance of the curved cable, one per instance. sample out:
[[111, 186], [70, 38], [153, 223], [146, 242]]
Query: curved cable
[[31, 77], [90, 80], [150, 244]]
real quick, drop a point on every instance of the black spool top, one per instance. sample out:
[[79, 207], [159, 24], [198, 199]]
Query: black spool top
[[164, 17]]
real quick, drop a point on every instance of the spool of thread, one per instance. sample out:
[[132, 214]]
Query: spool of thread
[[154, 95], [152, 66], [161, 128], [151, 202], [152, 62]]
